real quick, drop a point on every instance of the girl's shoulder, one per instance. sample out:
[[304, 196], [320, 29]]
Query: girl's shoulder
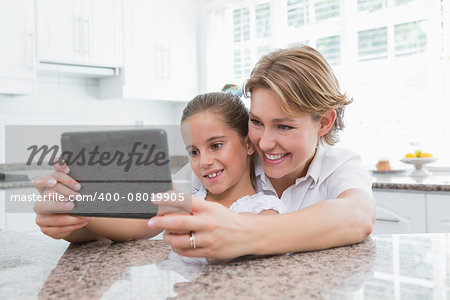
[[257, 203]]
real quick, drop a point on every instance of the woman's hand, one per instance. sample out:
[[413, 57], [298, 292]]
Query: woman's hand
[[219, 233], [52, 216]]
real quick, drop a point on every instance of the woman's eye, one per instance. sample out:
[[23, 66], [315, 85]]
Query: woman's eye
[[193, 153], [256, 122], [284, 127], [216, 146]]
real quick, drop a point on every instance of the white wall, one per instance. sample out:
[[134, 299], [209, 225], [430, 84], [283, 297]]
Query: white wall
[[62, 100]]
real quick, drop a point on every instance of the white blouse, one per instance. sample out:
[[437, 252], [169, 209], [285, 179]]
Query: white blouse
[[251, 204], [332, 171]]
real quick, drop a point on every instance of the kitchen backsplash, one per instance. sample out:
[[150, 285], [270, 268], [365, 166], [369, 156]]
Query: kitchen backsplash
[[63, 100]]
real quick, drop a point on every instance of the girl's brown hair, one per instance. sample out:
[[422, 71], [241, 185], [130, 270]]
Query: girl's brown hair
[[303, 82]]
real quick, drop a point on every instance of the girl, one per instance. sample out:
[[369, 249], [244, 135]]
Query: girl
[[214, 128], [295, 115]]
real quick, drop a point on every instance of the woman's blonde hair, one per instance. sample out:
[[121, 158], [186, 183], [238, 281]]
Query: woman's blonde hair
[[303, 82]]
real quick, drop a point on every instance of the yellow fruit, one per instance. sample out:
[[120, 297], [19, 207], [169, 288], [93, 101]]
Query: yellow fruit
[[418, 153], [410, 155], [426, 154]]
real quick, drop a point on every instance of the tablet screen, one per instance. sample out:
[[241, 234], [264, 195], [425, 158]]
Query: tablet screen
[[120, 172]]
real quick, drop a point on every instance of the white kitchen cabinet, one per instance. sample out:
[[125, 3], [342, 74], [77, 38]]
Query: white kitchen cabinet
[[438, 212], [400, 212], [17, 66], [80, 32], [160, 52]]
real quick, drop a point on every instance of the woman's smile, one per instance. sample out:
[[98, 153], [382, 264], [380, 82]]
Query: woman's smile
[[274, 158]]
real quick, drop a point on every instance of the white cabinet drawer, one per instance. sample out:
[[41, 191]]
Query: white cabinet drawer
[[400, 212]]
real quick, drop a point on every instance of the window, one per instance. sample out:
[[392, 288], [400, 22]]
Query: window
[[370, 5], [410, 38], [391, 56], [372, 43], [263, 50], [296, 44], [242, 63], [262, 13], [330, 47], [241, 25], [326, 9], [400, 2], [297, 12]]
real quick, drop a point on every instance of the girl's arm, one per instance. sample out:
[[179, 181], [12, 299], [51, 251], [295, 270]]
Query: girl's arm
[[79, 229], [223, 234], [122, 230]]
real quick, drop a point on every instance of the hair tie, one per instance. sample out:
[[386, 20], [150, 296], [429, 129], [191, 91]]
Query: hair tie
[[232, 89]]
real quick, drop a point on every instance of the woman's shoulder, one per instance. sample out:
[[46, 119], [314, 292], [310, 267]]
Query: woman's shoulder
[[332, 158]]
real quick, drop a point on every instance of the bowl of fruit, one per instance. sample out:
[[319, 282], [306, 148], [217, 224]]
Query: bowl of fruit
[[419, 159]]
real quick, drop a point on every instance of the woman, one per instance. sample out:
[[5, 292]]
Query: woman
[[296, 112], [295, 115]]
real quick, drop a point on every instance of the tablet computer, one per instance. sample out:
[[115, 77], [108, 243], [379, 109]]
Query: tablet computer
[[120, 172]]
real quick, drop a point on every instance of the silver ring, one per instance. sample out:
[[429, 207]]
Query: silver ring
[[192, 240]]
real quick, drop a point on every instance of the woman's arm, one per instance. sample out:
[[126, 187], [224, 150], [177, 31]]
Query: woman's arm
[[346, 220], [223, 234]]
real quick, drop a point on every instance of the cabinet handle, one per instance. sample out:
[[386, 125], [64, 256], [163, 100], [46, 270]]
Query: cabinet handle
[[159, 62], [388, 220], [77, 35], [87, 35], [167, 64], [30, 49]]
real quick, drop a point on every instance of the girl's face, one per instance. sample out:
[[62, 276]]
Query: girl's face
[[219, 156], [286, 145]]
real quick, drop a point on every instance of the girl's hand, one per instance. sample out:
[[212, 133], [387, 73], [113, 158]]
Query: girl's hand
[[52, 216], [219, 233]]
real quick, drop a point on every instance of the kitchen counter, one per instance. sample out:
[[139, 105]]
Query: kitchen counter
[[382, 267], [437, 182]]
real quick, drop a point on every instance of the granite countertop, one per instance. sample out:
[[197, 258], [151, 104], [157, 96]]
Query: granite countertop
[[438, 181], [382, 267]]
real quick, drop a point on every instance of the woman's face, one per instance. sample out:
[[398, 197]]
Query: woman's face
[[218, 155], [285, 144]]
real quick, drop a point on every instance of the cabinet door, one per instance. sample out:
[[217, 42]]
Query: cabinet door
[[144, 47], [183, 49], [400, 212], [160, 50], [59, 24], [438, 212], [17, 49], [102, 33]]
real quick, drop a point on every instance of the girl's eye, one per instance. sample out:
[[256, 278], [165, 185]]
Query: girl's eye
[[284, 127], [216, 146], [256, 122], [193, 153]]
